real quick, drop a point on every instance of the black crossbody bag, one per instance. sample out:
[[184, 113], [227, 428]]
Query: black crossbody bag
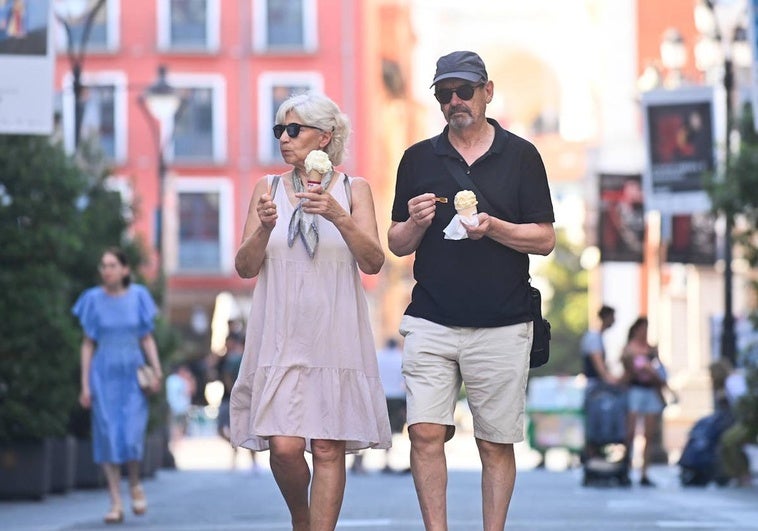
[[540, 352]]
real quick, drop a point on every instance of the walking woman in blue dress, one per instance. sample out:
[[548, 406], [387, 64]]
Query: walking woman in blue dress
[[117, 319]]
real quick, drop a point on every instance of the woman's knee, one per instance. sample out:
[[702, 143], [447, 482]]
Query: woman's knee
[[327, 450], [287, 449]]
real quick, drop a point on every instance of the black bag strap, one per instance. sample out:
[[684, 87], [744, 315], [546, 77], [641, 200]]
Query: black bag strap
[[465, 182], [462, 178]]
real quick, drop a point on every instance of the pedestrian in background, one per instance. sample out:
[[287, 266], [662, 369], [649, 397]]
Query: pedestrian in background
[[180, 386], [596, 369], [744, 408], [309, 379], [645, 399], [594, 362], [470, 316], [228, 368], [117, 319], [390, 360]]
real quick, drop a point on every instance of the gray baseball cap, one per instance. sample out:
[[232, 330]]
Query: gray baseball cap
[[463, 65]]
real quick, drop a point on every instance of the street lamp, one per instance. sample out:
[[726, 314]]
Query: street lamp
[[70, 13], [161, 102], [674, 57], [723, 41]]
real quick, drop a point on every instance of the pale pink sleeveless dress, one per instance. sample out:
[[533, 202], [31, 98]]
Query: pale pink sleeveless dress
[[309, 368]]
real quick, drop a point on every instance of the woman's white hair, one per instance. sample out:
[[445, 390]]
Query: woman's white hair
[[317, 110]]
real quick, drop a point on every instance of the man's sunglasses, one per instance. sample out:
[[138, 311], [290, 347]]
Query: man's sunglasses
[[464, 92], [292, 129]]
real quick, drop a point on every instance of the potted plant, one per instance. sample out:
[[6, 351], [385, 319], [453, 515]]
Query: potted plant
[[38, 197]]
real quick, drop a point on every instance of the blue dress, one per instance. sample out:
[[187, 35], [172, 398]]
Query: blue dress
[[116, 323]]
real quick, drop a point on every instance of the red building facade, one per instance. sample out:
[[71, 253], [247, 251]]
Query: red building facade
[[232, 62]]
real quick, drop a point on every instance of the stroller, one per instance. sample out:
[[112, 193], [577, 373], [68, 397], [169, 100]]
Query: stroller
[[700, 463], [605, 459]]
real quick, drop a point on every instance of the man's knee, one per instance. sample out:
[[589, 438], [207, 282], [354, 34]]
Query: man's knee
[[426, 434], [489, 450]]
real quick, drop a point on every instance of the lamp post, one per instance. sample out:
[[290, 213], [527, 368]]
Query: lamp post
[[70, 13], [673, 57], [723, 41], [161, 102]]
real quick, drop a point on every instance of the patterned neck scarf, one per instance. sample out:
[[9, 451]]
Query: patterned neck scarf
[[302, 223]]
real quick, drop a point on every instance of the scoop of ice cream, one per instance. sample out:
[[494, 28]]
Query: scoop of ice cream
[[465, 199], [318, 160]]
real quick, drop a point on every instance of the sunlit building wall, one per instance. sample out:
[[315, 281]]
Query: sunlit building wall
[[233, 62]]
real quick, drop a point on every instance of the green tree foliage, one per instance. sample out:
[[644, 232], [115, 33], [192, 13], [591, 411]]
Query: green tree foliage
[[566, 309], [55, 220], [736, 195]]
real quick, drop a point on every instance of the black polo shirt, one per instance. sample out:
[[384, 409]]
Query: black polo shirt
[[465, 282]]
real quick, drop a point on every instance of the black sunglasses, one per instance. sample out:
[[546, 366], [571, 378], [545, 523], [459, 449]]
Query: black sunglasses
[[292, 129], [464, 92]]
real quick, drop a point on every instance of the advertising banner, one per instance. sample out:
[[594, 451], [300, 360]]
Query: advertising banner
[[621, 224], [752, 31], [693, 239], [681, 148], [27, 66]]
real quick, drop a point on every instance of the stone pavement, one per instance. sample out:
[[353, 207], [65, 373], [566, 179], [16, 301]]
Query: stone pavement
[[205, 494]]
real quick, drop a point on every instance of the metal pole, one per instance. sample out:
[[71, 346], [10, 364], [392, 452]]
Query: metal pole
[[76, 60], [161, 240], [728, 341], [76, 72]]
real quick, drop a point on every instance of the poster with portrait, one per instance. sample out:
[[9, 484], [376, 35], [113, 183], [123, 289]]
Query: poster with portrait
[[752, 32], [680, 148], [621, 224], [27, 66], [693, 239]]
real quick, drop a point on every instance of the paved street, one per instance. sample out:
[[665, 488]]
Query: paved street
[[207, 495]]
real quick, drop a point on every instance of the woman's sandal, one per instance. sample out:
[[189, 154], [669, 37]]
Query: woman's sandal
[[139, 502], [115, 515]]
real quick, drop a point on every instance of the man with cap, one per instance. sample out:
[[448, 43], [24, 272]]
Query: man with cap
[[469, 319]]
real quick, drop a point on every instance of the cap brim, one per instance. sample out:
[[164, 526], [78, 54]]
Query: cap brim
[[468, 76]]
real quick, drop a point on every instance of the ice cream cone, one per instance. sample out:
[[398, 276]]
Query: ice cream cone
[[315, 178], [317, 164]]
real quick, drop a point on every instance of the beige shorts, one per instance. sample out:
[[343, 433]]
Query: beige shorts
[[493, 363]]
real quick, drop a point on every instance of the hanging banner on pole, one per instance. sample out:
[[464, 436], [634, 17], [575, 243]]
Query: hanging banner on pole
[[693, 239], [752, 32], [621, 227], [27, 65], [681, 148]]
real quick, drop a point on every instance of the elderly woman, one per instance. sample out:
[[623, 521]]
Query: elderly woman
[[309, 379]]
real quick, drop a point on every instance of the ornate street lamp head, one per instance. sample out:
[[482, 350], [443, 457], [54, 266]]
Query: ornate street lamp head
[[161, 99]]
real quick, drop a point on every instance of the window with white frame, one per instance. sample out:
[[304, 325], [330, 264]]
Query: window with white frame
[[199, 132], [284, 26], [273, 89], [103, 34], [203, 227], [103, 118], [188, 25]]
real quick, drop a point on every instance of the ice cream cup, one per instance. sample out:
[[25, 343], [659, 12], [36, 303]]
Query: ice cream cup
[[467, 212]]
